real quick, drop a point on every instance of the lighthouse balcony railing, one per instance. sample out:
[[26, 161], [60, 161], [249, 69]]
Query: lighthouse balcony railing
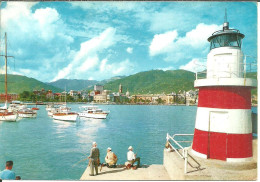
[[249, 65], [248, 68]]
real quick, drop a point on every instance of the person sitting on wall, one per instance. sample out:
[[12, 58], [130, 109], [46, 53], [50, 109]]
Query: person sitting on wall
[[110, 158], [131, 157]]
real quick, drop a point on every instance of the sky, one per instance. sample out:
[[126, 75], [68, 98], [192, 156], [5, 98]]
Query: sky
[[100, 40]]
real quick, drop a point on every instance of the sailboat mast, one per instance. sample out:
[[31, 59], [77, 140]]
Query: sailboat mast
[[6, 67]]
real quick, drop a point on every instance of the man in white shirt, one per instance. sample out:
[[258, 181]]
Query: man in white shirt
[[131, 157]]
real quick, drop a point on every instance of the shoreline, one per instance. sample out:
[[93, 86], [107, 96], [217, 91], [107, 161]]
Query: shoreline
[[45, 103]]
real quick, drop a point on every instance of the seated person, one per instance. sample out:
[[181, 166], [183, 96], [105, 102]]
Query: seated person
[[110, 158], [131, 157]]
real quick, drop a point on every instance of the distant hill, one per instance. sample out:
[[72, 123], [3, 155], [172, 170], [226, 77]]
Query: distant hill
[[154, 81], [158, 81], [18, 84], [73, 84]]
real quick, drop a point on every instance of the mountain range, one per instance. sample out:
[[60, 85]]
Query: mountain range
[[154, 81]]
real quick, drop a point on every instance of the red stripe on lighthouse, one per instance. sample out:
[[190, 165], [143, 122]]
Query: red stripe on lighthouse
[[229, 97], [222, 145], [239, 145]]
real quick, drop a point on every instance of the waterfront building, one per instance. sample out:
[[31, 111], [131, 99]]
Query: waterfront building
[[94, 92], [49, 94], [99, 88], [10, 97], [223, 128], [120, 89], [127, 94]]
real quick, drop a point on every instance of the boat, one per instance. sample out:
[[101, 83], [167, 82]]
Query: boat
[[56, 109], [93, 112], [49, 106], [64, 113], [5, 114], [15, 106], [67, 116], [27, 113]]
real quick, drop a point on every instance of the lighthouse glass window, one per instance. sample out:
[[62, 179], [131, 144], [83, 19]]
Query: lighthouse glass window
[[226, 40]]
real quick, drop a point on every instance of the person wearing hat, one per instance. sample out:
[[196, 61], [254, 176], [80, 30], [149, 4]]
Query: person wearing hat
[[110, 158], [131, 157], [94, 159]]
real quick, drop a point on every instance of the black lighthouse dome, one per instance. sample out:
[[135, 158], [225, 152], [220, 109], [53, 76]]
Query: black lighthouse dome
[[226, 38]]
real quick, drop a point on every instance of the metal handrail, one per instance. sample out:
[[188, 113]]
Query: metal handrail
[[184, 154]]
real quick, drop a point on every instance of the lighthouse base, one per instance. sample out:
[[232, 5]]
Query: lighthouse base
[[203, 156], [209, 169]]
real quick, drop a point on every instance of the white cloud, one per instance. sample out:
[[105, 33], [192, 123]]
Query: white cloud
[[167, 68], [87, 57], [195, 65], [118, 68], [162, 42], [129, 50], [176, 48], [38, 39]]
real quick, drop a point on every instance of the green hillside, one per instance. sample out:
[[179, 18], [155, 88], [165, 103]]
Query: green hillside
[[18, 84], [154, 81], [254, 76], [73, 84], [158, 81]]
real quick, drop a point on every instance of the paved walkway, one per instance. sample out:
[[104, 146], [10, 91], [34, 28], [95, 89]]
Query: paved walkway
[[151, 172]]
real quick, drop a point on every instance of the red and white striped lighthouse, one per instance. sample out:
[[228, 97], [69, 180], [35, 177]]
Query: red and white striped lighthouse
[[223, 128]]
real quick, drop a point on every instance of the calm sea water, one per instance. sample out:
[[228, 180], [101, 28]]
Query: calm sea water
[[44, 149]]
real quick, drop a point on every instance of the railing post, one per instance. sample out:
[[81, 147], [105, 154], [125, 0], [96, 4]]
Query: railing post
[[186, 160]]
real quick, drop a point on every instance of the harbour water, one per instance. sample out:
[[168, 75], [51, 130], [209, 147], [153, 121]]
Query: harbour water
[[44, 149]]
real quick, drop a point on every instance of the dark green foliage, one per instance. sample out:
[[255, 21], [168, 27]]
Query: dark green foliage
[[18, 84], [154, 81]]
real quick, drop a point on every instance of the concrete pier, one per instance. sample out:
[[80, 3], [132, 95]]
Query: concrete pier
[[173, 169], [146, 172]]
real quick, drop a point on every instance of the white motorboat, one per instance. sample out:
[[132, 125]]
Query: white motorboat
[[15, 106], [93, 112], [67, 116], [5, 115], [64, 113], [27, 113], [55, 109], [49, 107]]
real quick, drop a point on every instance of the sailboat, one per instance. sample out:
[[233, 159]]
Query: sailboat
[[64, 113], [6, 115]]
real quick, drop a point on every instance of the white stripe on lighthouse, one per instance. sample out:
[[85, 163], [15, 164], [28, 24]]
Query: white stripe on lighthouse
[[236, 121]]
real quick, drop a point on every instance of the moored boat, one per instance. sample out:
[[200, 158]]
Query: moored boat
[[27, 113], [93, 112], [5, 115], [66, 116]]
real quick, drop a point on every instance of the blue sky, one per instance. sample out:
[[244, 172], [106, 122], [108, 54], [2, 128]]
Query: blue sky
[[99, 40]]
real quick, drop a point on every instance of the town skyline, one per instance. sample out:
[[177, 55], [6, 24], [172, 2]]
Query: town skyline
[[100, 40]]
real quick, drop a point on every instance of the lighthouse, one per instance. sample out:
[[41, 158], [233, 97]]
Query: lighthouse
[[223, 128]]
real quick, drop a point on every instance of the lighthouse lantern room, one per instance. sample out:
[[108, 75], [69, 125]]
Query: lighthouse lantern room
[[223, 128]]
